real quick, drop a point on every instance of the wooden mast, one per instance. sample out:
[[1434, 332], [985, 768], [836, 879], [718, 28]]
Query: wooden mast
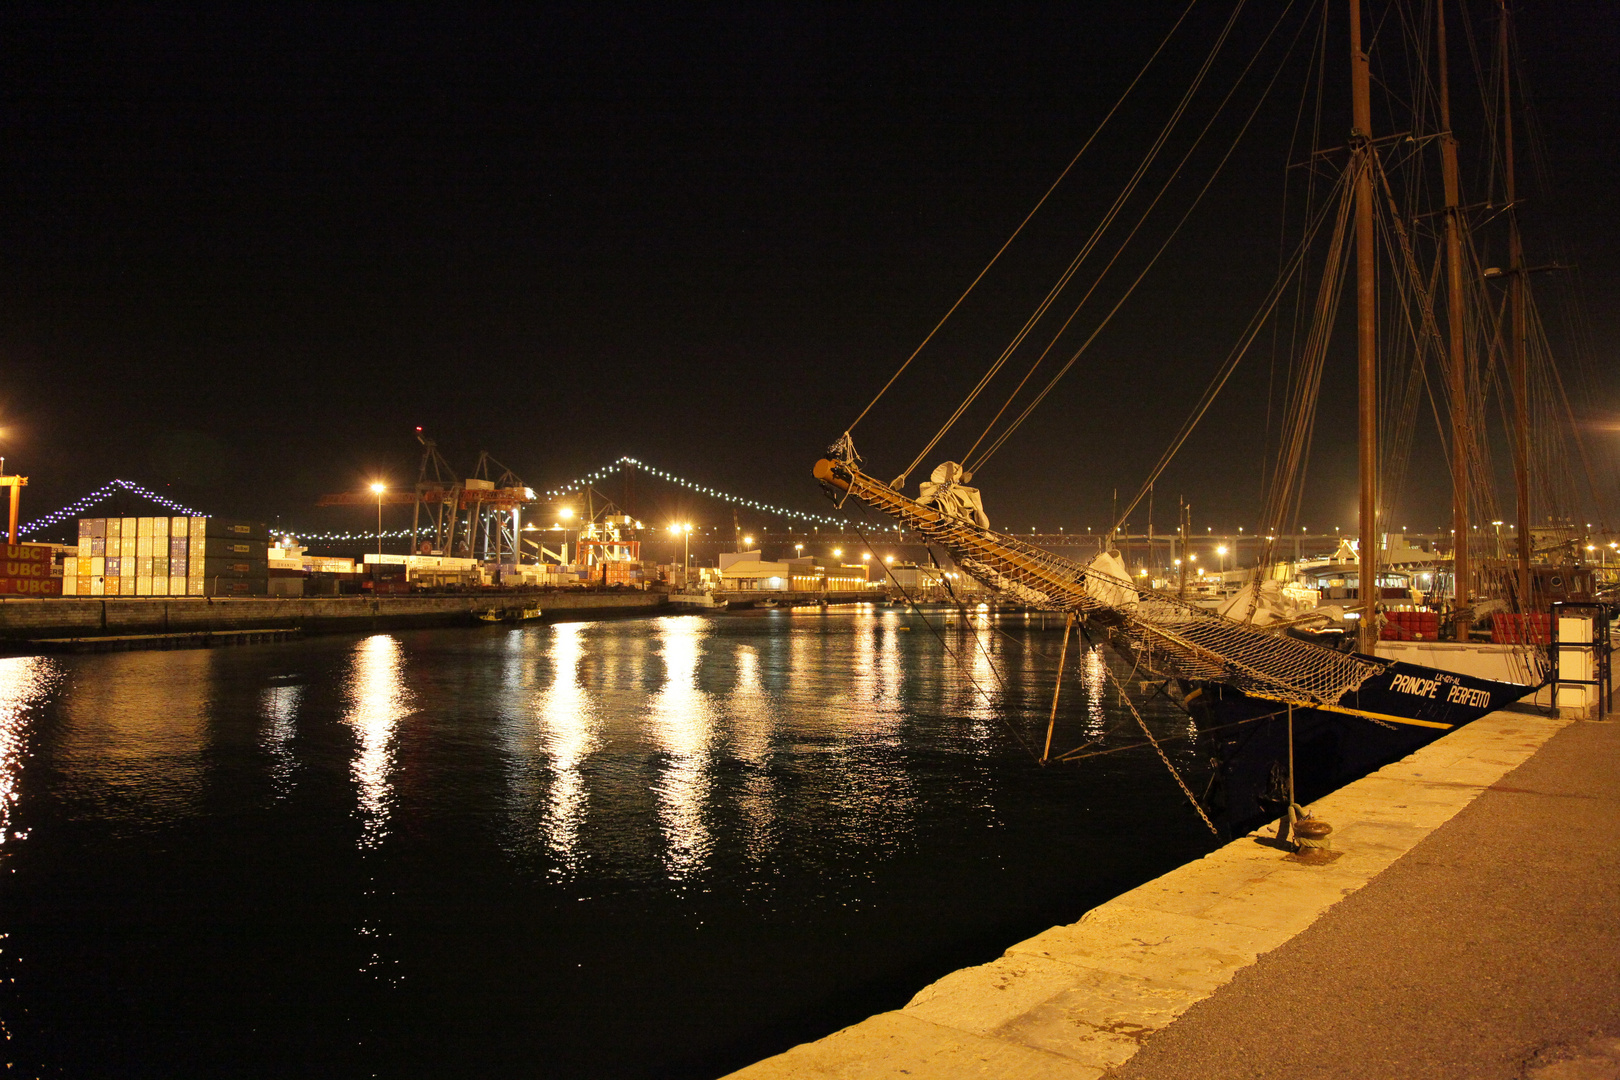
[[1366, 333], [1516, 346], [1461, 439]]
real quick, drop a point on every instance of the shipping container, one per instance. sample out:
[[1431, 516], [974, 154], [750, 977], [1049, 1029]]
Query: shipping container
[[232, 529], [97, 586], [84, 528], [177, 585], [143, 585], [113, 583], [84, 547], [84, 585], [179, 526], [70, 586], [177, 567], [199, 528], [213, 566], [194, 586], [220, 546], [160, 567], [224, 586], [179, 544], [143, 546], [98, 545], [98, 565], [98, 528], [31, 586], [114, 529], [114, 566], [70, 566], [129, 529]]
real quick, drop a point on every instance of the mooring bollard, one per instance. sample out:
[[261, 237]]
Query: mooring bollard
[[1311, 835]]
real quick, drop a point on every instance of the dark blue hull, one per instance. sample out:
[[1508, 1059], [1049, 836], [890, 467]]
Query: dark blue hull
[[1402, 708]]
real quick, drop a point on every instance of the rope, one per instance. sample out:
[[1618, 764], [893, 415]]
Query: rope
[[951, 653], [1092, 241], [1066, 169], [1174, 232], [1141, 220], [1182, 784]]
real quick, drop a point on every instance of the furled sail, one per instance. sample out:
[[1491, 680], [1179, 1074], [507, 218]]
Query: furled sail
[[1170, 635]]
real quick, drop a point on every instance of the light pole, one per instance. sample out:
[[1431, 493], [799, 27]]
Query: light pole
[[685, 531], [378, 488]]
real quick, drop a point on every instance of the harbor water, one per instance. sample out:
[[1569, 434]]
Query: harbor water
[[636, 848]]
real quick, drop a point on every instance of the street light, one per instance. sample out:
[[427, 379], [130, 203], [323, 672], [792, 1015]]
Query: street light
[[684, 530], [378, 487]]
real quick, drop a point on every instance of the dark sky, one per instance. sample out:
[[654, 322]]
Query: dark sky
[[245, 250]]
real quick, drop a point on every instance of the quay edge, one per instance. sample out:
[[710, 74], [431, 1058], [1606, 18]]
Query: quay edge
[[1078, 1001], [24, 619]]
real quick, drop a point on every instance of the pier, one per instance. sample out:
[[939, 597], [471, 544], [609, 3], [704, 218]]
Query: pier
[[33, 620], [1465, 926]]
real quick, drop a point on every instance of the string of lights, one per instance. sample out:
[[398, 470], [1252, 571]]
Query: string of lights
[[77, 509], [702, 489], [100, 495]]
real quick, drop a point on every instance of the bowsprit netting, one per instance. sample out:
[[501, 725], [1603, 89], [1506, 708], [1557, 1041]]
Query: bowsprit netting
[[1172, 637]]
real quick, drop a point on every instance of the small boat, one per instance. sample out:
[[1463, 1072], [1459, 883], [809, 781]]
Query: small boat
[[495, 615], [698, 599]]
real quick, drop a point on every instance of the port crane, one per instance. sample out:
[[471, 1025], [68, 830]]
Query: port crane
[[461, 514]]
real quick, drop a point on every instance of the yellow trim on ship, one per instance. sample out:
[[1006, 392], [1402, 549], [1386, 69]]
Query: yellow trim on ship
[[1364, 712]]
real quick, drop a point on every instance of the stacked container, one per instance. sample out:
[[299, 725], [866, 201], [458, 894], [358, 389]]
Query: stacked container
[[168, 556]]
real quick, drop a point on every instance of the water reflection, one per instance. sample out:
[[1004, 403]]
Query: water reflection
[[279, 707], [377, 700], [682, 724], [753, 717], [1096, 684], [24, 681], [567, 722]]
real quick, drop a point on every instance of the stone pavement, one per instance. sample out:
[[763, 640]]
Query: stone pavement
[[1490, 946]]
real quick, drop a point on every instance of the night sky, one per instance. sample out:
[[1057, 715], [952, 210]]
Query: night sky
[[246, 250]]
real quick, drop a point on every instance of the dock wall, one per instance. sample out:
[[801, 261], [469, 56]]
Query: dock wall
[[1078, 1001], [24, 619]]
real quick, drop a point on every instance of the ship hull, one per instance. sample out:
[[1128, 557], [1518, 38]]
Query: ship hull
[[1395, 712]]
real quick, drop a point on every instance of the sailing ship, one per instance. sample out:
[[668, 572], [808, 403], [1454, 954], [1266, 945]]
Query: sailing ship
[[1263, 694]]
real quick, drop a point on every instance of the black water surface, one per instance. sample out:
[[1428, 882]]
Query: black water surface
[[659, 848]]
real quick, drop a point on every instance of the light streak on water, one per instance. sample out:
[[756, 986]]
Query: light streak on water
[[682, 722], [24, 681], [378, 700], [279, 707], [567, 721]]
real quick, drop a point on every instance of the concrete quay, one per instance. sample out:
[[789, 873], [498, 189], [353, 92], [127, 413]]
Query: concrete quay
[[1468, 927], [22, 620]]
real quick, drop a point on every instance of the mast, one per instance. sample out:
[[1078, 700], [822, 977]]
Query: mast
[[1366, 333], [1461, 571], [1516, 365]]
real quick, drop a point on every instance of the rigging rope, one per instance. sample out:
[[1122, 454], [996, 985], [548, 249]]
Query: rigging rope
[[1033, 210], [1131, 289], [1097, 233]]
